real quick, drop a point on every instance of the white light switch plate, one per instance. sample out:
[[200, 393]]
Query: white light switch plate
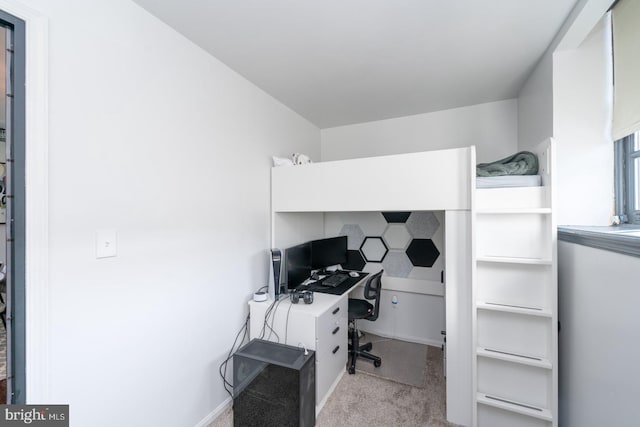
[[106, 243]]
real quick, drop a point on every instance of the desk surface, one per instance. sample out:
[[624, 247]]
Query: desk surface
[[321, 301], [342, 288]]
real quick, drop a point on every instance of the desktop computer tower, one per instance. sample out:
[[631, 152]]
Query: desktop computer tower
[[273, 385]]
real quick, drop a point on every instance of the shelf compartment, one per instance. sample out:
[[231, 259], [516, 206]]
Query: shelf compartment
[[517, 236], [514, 333], [513, 284], [514, 260], [527, 387], [516, 309], [497, 412], [512, 198], [538, 362]]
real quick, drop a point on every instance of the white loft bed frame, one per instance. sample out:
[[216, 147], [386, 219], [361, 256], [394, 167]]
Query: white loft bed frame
[[427, 181]]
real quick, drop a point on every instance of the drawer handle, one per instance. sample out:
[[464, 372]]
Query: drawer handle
[[335, 331], [335, 350], [336, 310]]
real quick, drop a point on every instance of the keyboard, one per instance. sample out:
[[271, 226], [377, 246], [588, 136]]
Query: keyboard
[[335, 280]]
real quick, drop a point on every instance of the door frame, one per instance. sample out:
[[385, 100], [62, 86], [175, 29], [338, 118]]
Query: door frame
[[37, 346]]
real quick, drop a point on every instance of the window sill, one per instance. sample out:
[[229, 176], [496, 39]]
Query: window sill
[[624, 239]]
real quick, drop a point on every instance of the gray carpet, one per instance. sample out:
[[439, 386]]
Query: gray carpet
[[363, 399]]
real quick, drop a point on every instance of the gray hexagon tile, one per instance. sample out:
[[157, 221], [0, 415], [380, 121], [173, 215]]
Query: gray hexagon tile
[[372, 223], [397, 264], [372, 267], [426, 273], [422, 225], [397, 236], [355, 236], [373, 249]]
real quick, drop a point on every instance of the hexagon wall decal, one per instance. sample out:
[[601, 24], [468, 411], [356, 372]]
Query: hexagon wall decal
[[397, 264], [422, 252], [373, 249], [355, 261], [397, 236], [355, 235], [396, 216], [422, 225]]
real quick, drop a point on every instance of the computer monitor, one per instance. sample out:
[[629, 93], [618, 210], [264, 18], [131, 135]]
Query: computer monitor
[[327, 252], [297, 264]]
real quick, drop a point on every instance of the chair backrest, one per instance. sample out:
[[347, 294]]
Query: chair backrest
[[373, 290]]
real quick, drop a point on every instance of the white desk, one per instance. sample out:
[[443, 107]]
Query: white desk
[[321, 326]]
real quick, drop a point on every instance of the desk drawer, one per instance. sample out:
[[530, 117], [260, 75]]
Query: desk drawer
[[331, 346]]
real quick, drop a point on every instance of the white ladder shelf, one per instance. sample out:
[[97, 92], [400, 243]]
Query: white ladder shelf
[[515, 304]]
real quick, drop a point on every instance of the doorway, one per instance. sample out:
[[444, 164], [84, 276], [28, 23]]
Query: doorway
[[12, 209]]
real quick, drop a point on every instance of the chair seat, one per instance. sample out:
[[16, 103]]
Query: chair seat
[[359, 309]]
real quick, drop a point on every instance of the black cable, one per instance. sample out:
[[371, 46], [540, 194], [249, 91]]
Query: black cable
[[222, 370], [265, 322], [273, 319]]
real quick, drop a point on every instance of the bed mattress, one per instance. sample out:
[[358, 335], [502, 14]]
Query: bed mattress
[[508, 181]]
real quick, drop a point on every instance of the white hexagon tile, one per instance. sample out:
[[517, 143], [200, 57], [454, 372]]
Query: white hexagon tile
[[374, 249], [397, 236]]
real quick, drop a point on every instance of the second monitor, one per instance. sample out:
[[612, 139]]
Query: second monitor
[[328, 252]]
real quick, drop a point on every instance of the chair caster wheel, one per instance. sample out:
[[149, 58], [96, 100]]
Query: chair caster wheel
[[351, 370], [367, 347], [377, 363]]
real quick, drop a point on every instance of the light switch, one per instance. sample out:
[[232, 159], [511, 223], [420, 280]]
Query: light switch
[[106, 243]]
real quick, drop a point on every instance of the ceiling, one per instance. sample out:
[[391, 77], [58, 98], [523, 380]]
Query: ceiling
[[338, 62]]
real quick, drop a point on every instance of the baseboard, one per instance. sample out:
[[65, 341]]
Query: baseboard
[[215, 413]]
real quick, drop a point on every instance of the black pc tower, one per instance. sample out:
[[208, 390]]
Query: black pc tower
[[273, 385]]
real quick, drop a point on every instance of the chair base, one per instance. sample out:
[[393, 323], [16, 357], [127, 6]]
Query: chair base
[[360, 351]]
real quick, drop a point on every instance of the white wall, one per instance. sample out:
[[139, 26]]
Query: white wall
[[491, 127], [567, 96], [152, 136], [599, 339], [582, 107], [535, 105]]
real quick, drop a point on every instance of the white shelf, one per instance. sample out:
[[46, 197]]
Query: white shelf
[[516, 211], [512, 406], [528, 311], [514, 358], [509, 260]]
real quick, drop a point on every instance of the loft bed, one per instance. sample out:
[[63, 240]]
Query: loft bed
[[480, 262]]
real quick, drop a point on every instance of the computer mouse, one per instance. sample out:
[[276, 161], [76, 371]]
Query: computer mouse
[[354, 274]]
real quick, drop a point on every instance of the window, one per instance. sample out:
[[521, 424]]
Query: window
[[627, 170]]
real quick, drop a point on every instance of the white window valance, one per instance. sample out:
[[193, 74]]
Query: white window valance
[[626, 68]]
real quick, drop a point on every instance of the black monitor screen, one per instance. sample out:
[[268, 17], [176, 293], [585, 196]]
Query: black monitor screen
[[298, 264], [327, 252]]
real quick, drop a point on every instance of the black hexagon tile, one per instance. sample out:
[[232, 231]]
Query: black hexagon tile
[[355, 261], [396, 216], [422, 252]]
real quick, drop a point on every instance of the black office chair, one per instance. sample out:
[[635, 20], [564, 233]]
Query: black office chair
[[361, 309]]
